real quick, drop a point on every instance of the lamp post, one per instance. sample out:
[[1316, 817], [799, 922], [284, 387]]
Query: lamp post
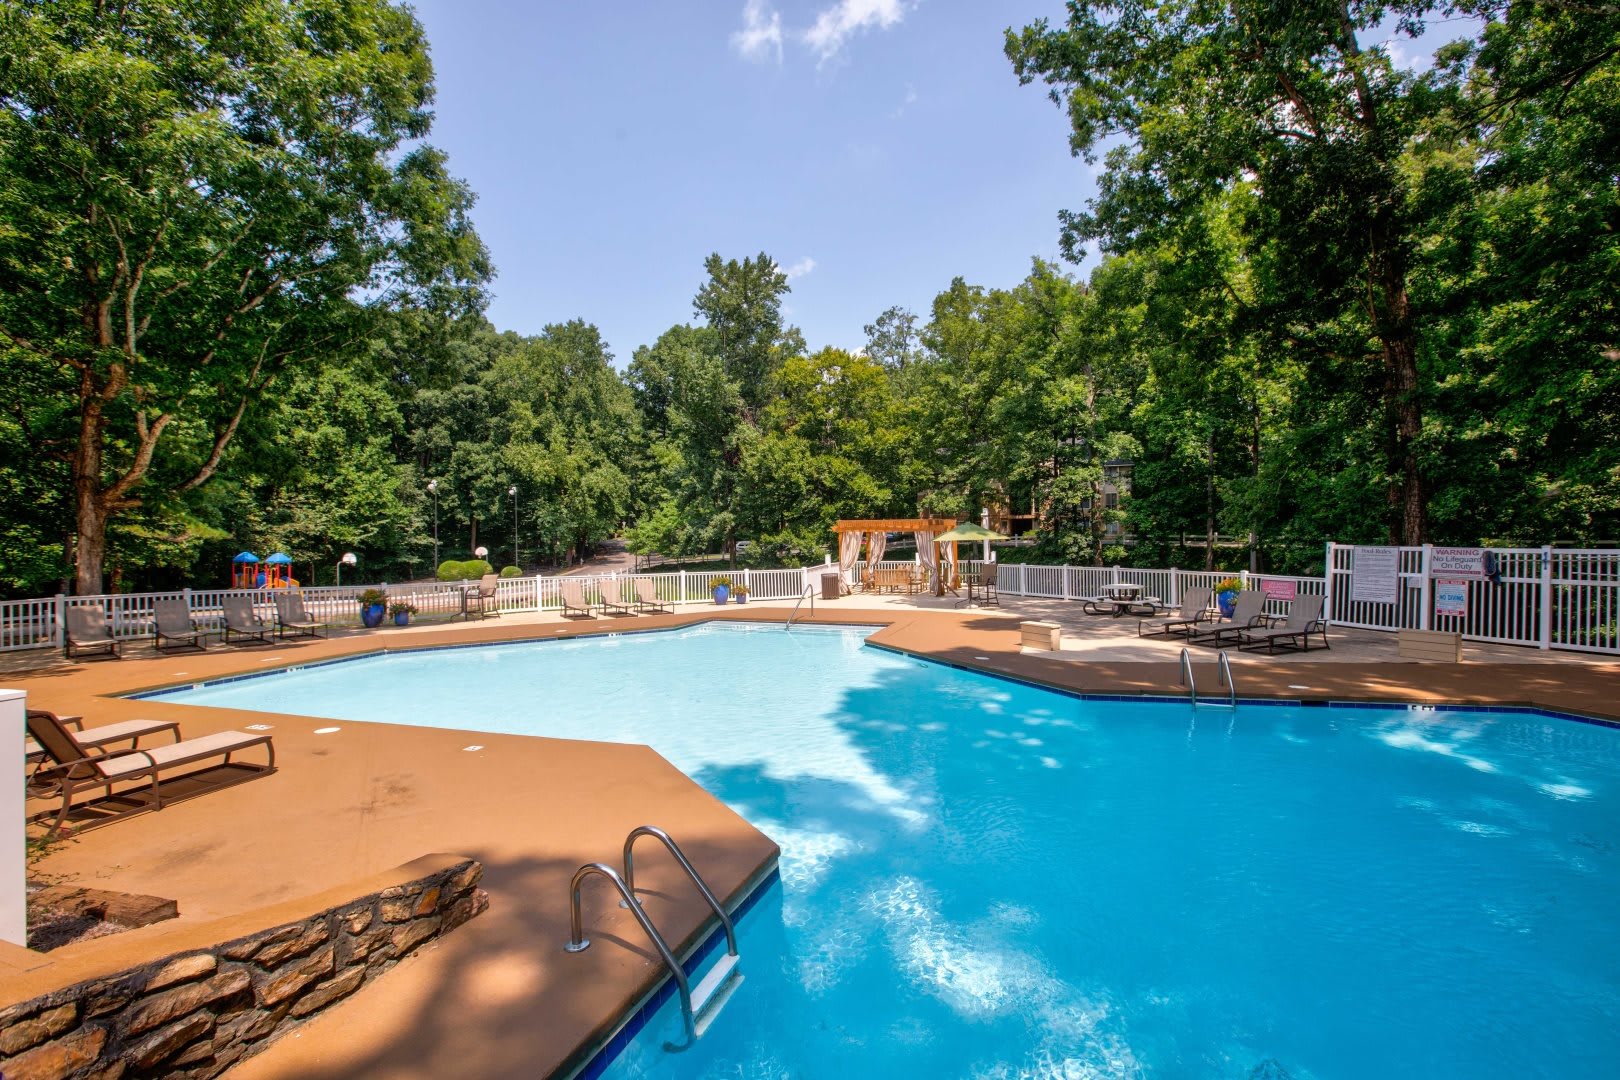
[[433, 490], [347, 560], [517, 560]]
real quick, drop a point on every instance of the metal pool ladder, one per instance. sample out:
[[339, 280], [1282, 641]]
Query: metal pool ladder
[[809, 593], [699, 1006], [1223, 667]]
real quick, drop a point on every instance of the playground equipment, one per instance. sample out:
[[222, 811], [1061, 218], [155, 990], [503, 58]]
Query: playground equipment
[[249, 572]]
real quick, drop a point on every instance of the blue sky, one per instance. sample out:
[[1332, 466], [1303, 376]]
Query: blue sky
[[613, 147], [874, 148]]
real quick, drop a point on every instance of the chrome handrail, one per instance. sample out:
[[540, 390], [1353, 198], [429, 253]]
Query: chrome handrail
[[810, 593], [579, 943], [1223, 668], [686, 864], [1187, 675]]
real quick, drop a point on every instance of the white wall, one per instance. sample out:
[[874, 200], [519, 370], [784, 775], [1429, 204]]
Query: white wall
[[13, 848]]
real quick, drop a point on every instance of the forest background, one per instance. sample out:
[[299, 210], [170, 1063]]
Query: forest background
[[241, 307]]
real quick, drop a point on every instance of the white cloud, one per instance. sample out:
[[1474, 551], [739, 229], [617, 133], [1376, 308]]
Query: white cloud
[[761, 35], [910, 100], [835, 25], [800, 268]]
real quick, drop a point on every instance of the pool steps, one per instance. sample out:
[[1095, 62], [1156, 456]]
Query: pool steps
[[1223, 668], [701, 1005]]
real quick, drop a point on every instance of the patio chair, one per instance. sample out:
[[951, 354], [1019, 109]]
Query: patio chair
[[647, 598], [613, 601], [88, 630], [1248, 612], [1304, 619], [171, 621], [72, 770], [244, 622], [481, 598], [572, 591], [987, 585], [1194, 610], [291, 618], [97, 739]]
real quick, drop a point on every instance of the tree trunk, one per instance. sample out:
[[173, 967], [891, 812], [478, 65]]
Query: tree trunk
[[1392, 323], [1209, 508], [90, 507]]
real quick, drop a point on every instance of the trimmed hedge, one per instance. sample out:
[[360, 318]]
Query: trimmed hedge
[[511, 571], [468, 570]]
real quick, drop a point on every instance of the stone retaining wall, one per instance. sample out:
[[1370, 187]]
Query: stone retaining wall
[[194, 1013]]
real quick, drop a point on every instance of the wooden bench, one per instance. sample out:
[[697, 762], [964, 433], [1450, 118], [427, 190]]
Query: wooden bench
[[1438, 645], [1047, 636]]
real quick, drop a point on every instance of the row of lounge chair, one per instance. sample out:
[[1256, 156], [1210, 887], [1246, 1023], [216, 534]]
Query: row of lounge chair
[[1248, 627], [68, 760], [574, 601], [88, 629]]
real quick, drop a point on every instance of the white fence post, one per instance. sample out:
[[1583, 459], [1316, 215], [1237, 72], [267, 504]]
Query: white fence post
[[1545, 633], [1425, 587], [13, 841], [186, 592], [1327, 582], [682, 599], [1063, 573], [60, 620], [1175, 587]]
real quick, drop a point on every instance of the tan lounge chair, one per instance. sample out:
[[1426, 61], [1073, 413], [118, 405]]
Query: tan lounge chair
[[647, 597], [613, 601], [97, 740], [71, 770], [1304, 619], [171, 621], [243, 621], [292, 620], [1248, 611], [1194, 610], [88, 630], [572, 591]]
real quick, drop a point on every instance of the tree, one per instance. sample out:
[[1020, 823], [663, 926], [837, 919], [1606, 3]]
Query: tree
[[200, 195], [1284, 99]]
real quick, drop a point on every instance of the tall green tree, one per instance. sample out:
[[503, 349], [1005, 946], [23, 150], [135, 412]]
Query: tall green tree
[[1195, 99], [199, 195]]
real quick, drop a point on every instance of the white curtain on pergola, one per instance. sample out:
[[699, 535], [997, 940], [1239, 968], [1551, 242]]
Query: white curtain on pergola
[[849, 552], [925, 552], [875, 543]]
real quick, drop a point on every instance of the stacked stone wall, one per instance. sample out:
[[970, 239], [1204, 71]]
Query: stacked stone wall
[[193, 1014]]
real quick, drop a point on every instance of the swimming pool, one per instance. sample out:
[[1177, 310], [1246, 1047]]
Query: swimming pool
[[985, 879]]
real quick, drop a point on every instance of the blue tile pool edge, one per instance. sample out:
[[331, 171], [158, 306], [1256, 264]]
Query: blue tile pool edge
[[597, 1055]]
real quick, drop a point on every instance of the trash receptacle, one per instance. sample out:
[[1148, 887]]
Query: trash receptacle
[[829, 586]]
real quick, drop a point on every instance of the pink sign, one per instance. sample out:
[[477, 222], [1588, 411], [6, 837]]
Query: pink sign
[[1279, 590]]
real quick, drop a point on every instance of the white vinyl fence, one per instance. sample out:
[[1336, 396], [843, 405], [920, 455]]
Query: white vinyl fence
[[1549, 598]]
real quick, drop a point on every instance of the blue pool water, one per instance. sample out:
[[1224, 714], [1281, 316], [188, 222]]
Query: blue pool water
[[983, 879]]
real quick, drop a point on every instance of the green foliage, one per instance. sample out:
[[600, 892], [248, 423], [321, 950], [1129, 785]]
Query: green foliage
[[719, 583], [463, 570], [511, 572], [372, 598]]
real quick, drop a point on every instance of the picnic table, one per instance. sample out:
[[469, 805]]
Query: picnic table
[[1121, 598]]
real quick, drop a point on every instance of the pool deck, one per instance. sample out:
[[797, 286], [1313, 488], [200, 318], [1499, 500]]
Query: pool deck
[[499, 997]]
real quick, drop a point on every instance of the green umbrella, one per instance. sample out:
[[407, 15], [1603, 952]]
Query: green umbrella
[[968, 533]]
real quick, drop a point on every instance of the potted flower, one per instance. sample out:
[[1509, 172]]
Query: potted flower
[[740, 591], [373, 605], [1226, 591], [401, 612], [721, 587]]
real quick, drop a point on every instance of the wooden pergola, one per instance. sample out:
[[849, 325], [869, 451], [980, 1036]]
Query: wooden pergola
[[910, 525]]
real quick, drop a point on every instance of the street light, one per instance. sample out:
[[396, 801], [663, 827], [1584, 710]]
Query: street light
[[433, 490], [347, 560], [517, 560]]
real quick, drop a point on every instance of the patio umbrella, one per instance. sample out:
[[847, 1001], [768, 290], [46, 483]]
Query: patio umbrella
[[968, 533]]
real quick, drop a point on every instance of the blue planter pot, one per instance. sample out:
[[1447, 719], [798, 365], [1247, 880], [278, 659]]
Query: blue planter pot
[[1226, 599], [372, 615], [721, 594], [742, 598], [402, 619]]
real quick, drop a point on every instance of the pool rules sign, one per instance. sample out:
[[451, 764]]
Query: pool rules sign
[[1375, 576]]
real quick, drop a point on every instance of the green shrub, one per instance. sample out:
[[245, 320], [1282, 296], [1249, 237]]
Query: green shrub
[[468, 570], [511, 571], [450, 570], [719, 583], [476, 568]]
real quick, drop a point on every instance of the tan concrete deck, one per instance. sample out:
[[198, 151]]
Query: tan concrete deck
[[499, 998]]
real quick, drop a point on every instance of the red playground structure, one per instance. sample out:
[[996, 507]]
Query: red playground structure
[[248, 572]]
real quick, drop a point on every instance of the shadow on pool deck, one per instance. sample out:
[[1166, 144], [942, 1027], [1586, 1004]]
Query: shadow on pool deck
[[499, 997]]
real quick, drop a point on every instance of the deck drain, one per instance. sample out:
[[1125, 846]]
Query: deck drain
[[474, 746], [326, 730], [260, 727], [1296, 686]]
